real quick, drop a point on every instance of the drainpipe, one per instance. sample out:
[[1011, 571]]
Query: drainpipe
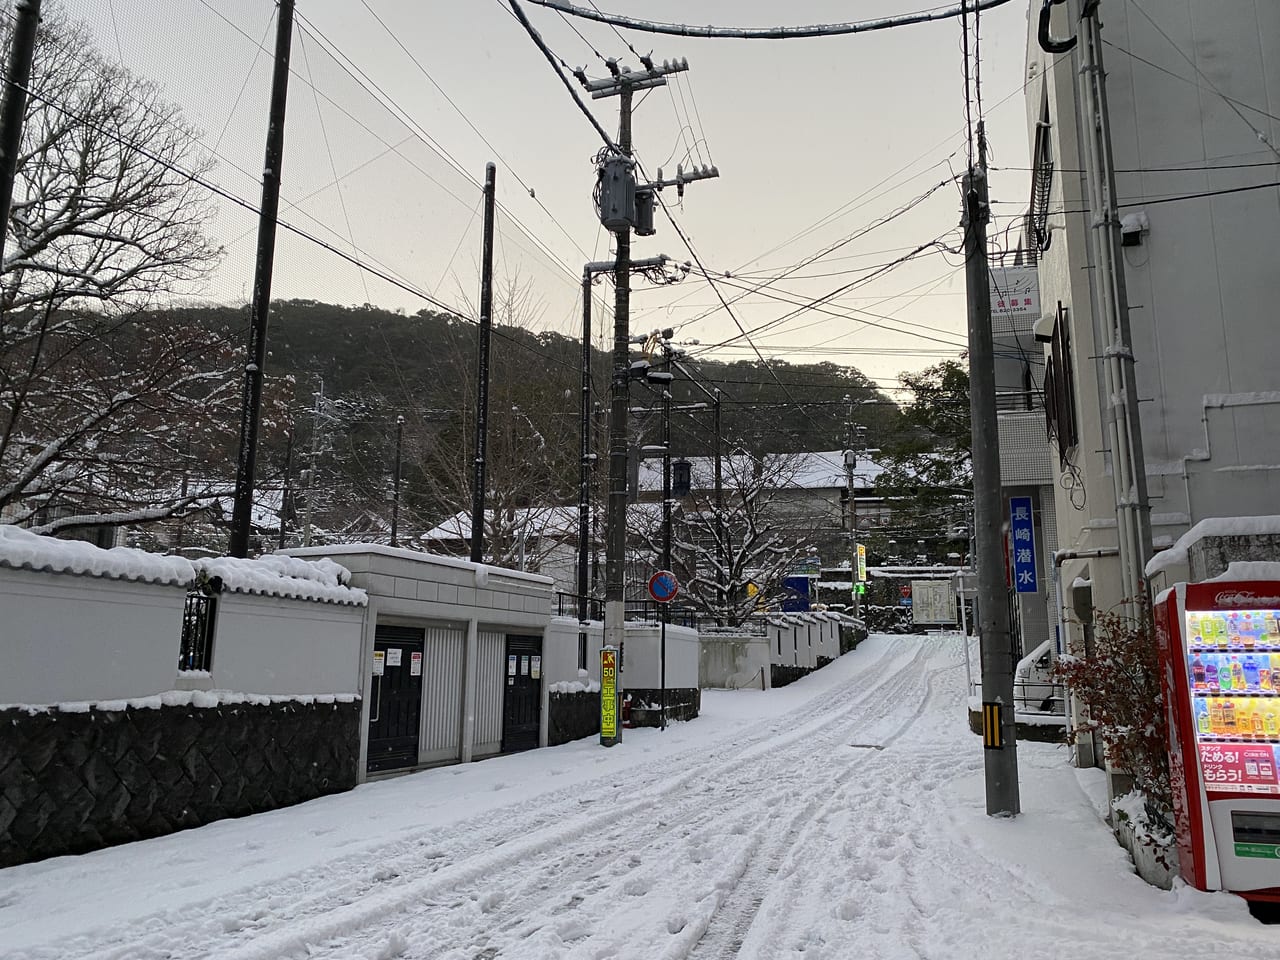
[[1060, 557]]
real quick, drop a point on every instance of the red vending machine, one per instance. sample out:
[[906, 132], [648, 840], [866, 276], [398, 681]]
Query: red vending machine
[[1220, 659]]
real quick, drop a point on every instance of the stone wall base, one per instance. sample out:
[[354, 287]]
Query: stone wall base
[[71, 782]]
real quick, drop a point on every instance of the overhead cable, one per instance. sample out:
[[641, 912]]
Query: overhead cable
[[763, 33]]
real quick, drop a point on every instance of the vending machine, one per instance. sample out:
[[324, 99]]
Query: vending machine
[[1220, 663]]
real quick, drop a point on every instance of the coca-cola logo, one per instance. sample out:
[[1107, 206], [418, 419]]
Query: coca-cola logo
[[1244, 598]]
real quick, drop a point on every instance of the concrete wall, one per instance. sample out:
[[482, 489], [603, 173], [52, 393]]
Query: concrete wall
[[279, 645], [640, 667], [560, 650], [65, 637], [733, 661]]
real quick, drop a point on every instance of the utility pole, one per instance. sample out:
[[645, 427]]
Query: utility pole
[[395, 490], [851, 461], [284, 489], [587, 456], [666, 524], [622, 208], [26, 15], [256, 352], [999, 733], [310, 479], [482, 369]]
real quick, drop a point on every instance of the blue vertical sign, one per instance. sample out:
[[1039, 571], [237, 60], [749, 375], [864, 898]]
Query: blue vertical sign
[[1023, 553]]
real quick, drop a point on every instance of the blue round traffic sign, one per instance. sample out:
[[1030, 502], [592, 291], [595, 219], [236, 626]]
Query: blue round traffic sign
[[663, 586]]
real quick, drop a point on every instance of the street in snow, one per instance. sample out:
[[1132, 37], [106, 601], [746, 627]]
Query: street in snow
[[839, 817]]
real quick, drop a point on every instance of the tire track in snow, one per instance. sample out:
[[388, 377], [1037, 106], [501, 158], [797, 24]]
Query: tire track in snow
[[286, 915]]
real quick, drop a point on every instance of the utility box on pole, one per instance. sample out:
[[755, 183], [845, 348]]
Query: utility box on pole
[[617, 198]]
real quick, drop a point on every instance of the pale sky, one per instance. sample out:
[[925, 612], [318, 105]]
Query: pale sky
[[815, 140]]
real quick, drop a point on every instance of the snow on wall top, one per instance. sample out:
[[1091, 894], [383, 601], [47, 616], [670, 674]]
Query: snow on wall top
[[281, 576], [1212, 527], [23, 550], [272, 576]]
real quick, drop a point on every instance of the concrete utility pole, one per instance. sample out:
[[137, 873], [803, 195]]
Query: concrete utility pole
[[482, 370], [587, 457], [999, 732], [622, 84], [26, 15], [251, 403], [851, 461]]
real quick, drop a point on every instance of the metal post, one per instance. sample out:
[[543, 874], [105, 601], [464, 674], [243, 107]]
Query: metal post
[[615, 548], [722, 552], [17, 76], [395, 493], [584, 468], [482, 369], [284, 490], [666, 534], [1000, 753], [311, 471], [256, 354]]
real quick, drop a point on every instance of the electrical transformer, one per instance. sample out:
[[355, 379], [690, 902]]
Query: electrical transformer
[[617, 194]]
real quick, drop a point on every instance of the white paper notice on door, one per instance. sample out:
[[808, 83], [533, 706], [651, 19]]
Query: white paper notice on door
[[378, 657], [393, 656], [535, 670], [415, 664]]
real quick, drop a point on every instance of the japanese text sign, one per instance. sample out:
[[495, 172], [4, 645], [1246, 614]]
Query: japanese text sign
[[1023, 548]]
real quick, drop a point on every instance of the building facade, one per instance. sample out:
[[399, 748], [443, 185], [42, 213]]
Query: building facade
[[1194, 97]]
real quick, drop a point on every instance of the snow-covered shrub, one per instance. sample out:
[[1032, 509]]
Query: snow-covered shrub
[[1118, 683]]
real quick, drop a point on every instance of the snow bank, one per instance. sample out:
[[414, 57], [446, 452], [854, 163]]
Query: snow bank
[[23, 550], [280, 576], [1249, 570], [1212, 527], [181, 698]]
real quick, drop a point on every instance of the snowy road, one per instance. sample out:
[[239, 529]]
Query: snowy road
[[837, 818]]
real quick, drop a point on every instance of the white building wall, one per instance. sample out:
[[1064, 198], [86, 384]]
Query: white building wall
[[641, 665], [1202, 286], [65, 637]]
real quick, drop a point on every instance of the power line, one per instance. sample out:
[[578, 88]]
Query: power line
[[485, 140], [763, 33]]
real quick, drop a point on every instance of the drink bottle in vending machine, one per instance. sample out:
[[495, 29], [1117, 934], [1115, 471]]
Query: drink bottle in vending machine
[[1220, 663]]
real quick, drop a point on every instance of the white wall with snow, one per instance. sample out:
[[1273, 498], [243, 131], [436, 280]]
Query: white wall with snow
[[641, 665], [66, 637], [278, 645], [734, 662]]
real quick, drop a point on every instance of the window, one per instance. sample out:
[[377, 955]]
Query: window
[[1060, 389], [199, 616], [1038, 233]]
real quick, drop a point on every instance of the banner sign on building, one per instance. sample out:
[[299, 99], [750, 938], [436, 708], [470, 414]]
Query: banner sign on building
[[933, 601], [1015, 293], [1022, 552]]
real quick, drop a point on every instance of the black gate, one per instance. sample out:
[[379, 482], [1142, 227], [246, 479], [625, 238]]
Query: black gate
[[395, 707], [522, 703]]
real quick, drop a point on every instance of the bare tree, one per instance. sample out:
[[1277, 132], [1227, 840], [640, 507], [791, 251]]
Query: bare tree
[[531, 465], [106, 403], [731, 566]]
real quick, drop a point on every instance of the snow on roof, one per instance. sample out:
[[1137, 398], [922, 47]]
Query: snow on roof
[[818, 470], [535, 521], [1212, 527], [23, 550], [280, 576], [481, 570]]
